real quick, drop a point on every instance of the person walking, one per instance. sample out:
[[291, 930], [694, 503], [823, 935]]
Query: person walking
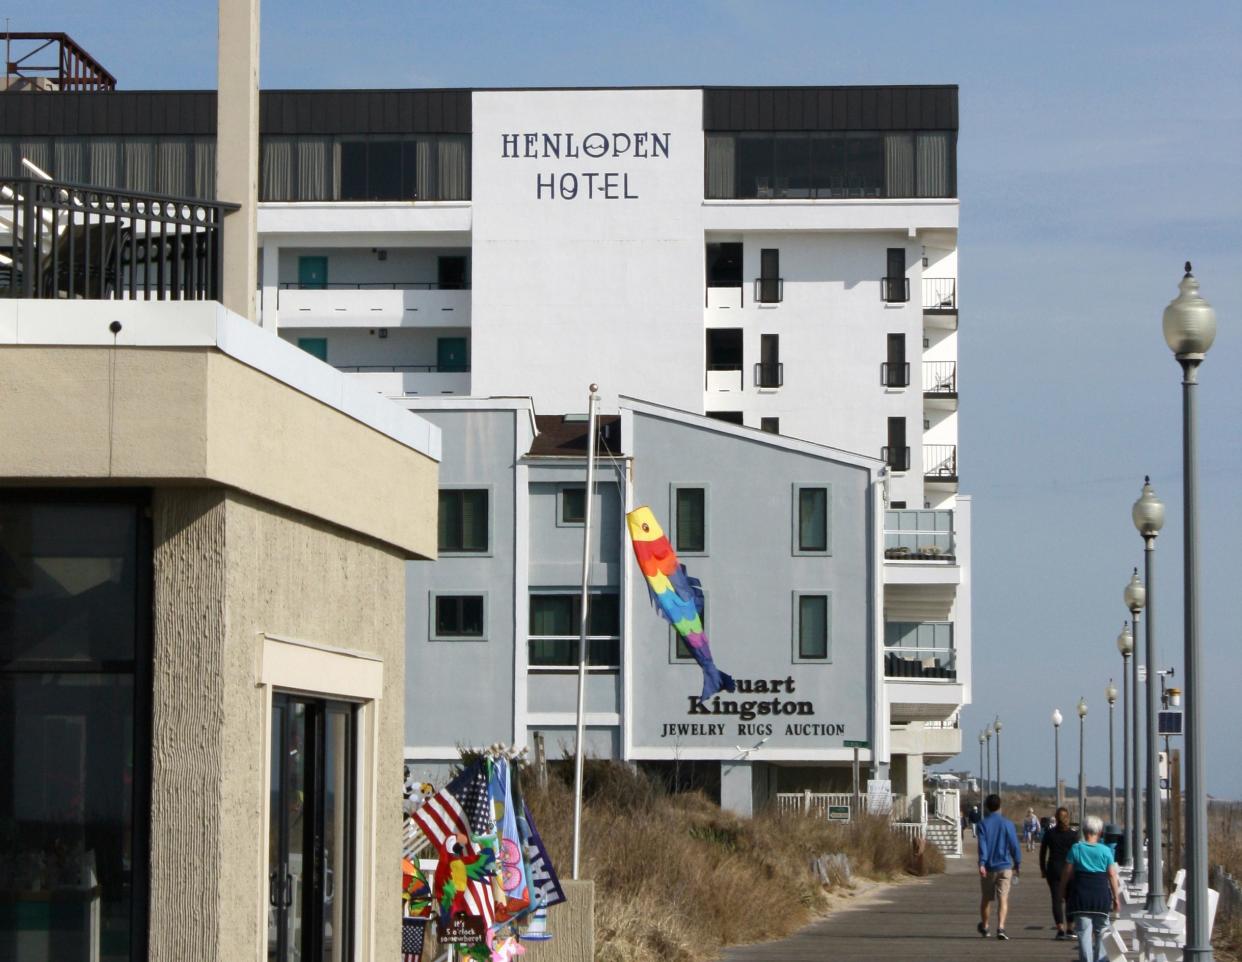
[[1053, 851], [973, 817], [1092, 889], [1000, 861], [1030, 830]]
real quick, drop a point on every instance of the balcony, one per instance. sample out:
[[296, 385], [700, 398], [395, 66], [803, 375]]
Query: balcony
[[769, 290], [769, 376], [897, 458], [940, 463], [911, 535], [910, 662], [940, 381], [385, 304], [73, 241], [895, 290], [723, 378], [939, 295], [410, 380], [895, 374]]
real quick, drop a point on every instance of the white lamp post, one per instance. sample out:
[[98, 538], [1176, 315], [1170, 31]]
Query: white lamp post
[[1189, 329], [988, 733], [1125, 645], [1136, 599], [1082, 768], [1000, 786], [1056, 742], [1110, 695]]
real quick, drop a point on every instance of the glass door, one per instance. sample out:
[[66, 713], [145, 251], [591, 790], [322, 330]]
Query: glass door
[[310, 855]]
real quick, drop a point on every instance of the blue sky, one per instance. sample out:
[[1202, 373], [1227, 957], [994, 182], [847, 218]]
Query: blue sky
[[1099, 149]]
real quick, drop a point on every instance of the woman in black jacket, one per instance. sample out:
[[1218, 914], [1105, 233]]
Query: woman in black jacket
[[1054, 848]]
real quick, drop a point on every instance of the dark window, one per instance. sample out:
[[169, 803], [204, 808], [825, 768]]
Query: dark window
[[354, 170], [463, 520], [896, 370], [732, 417], [791, 166], [813, 626], [896, 284], [459, 616], [864, 165], [896, 454], [724, 349], [724, 265], [384, 170], [770, 425], [754, 165], [769, 372], [573, 505], [770, 285], [554, 626], [691, 508], [812, 519], [75, 604], [451, 273]]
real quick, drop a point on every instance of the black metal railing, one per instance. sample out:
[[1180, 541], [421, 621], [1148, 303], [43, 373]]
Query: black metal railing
[[895, 290], [940, 293], [769, 290], [375, 286], [75, 241], [898, 459], [895, 374], [940, 377], [940, 462], [770, 375], [920, 663]]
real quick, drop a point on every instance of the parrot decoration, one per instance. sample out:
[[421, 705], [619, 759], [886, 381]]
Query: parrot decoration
[[677, 596], [453, 871]]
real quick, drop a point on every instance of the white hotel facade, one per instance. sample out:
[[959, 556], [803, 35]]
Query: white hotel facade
[[763, 282]]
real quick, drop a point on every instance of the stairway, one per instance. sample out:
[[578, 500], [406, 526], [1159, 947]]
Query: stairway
[[946, 834]]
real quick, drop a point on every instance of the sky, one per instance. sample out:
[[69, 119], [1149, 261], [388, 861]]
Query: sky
[[1099, 149]]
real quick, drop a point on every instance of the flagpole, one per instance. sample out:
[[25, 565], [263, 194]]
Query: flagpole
[[583, 627]]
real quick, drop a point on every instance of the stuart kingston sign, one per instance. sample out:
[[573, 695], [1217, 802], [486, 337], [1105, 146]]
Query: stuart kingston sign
[[585, 166], [776, 711]]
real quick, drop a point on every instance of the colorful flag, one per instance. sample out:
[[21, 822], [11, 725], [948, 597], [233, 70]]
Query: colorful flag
[[545, 887], [677, 596], [451, 819], [511, 870]]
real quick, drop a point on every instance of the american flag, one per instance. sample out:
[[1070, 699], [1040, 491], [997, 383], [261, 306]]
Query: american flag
[[463, 807]]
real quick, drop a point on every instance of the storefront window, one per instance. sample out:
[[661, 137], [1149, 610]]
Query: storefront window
[[73, 585]]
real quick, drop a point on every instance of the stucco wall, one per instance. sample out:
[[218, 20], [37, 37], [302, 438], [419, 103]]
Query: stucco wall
[[229, 567]]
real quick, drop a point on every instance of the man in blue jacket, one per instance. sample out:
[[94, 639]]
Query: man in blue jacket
[[1000, 859]]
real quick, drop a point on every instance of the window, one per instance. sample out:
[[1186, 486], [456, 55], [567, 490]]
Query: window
[[769, 288], [554, 626], [573, 505], [811, 626], [730, 417], [812, 504], [458, 617], [896, 286], [689, 520], [896, 454], [919, 650], [724, 349], [451, 273], [769, 372], [724, 265], [896, 371], [770, 425], [463, 521]]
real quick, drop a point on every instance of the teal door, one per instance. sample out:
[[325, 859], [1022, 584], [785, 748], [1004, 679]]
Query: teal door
[[312, 273], [318, 346], [451, 354]]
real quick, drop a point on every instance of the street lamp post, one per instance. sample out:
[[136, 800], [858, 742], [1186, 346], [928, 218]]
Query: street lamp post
[[1110, 694], [1125, 644], [1136, 599], [1148, 514], [1056, 743], [988, 732], [1082, 769], [1000, 786], [983, 786], [1189, 329]]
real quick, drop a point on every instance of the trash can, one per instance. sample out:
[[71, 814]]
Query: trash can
[[1115, 837]]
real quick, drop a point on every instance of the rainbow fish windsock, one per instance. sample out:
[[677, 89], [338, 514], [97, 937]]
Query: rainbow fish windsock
[[677, 596]]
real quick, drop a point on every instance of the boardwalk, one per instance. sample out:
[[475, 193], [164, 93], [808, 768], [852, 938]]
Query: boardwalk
[[926, 920]]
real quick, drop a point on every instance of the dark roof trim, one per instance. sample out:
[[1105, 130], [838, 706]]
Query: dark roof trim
[[193, 112], [830, 108]]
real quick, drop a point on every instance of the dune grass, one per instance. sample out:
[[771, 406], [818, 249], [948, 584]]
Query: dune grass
[[677, 879]]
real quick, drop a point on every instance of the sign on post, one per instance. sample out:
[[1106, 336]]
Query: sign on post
[[838, 813]]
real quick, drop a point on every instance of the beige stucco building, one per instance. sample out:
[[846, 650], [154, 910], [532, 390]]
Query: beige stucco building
[[203, 538]]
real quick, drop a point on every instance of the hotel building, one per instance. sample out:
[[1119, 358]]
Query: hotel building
[[763, 282]]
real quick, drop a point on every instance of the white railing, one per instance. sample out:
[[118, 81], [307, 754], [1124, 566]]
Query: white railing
[[910, 830], [812, 803]]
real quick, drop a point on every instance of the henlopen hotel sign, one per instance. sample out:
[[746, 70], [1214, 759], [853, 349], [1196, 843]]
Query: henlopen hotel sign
[[780, 714], [601, 183]]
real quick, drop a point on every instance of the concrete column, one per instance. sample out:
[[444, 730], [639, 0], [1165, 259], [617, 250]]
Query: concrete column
[[271, 288], [737, 793], [237, 149]]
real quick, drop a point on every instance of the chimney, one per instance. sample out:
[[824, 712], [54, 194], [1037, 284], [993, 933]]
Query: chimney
[[237, 149]]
